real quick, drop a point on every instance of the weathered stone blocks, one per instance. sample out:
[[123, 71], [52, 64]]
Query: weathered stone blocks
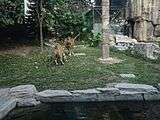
[[6, 106], [25, 94], [143, 17], [146, 50], [54, 96], [141, 88]]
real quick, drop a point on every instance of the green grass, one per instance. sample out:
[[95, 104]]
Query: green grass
[[80, 72]]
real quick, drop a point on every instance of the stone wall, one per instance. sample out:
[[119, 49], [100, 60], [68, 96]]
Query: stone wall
[[28, 96], [143, 18]]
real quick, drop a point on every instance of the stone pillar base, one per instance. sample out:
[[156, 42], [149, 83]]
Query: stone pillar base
[[110, 60]]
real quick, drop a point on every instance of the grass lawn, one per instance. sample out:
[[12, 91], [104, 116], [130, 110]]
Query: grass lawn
[[79, 72]]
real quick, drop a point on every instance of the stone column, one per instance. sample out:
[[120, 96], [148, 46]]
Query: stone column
[[105, 28], [106, 59]]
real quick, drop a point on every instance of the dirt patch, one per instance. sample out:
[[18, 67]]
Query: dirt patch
[[18, 50]]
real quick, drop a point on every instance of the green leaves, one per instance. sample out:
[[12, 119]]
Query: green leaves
[[11, 12], [63, 18]]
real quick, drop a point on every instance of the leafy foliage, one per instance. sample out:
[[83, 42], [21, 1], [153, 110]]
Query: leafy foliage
[[11, 12], [61, 17], [66, 16], [95, 40]]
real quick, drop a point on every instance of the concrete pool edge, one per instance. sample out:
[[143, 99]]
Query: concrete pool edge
[[28, 96]]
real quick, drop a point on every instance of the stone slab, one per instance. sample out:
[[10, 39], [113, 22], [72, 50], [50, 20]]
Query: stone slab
[[109, 91], [124, 92], [88, 91], [84, 98], [25, 95], [6, 106], [136, 87], [127, 75], [129, 97], [54, 96], [152, 97], [80, 54]]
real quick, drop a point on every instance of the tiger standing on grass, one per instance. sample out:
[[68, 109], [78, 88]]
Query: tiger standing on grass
[[58, 52], [69, 44]]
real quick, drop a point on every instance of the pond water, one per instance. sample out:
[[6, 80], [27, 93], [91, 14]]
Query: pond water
[[89, 111]]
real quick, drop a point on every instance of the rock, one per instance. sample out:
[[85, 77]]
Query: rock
[[126, 92], [157, 31], [121, 47], [143, 30], [29, 102], [109, 91], [7, 103], [124, 42], [143, 18], [5, 93], [128, 97], [110, 61], [158, 87], [127, 75], [25, 95], [88, 91], [54, 96], [6, 106], [136, 88], [79, 54], [152, 97], [89, 95], [124, 39], [146, 49]]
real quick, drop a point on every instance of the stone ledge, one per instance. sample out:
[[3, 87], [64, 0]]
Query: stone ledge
[[88, 92], [54, 96], [27, 95], [6, 107], [109, 91], [136, 87]]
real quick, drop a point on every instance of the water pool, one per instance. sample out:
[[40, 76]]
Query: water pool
[[89, 111]]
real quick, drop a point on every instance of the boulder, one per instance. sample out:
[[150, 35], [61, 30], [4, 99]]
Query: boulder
[[5, 93], [25, 95], [140, 88], [7, 103], [143, 18], [146, 50], [48, 96], [123, 43], [124, 39]]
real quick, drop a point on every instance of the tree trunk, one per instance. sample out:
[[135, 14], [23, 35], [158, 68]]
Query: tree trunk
[[41, 35], [41, 26], [105, 28]]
